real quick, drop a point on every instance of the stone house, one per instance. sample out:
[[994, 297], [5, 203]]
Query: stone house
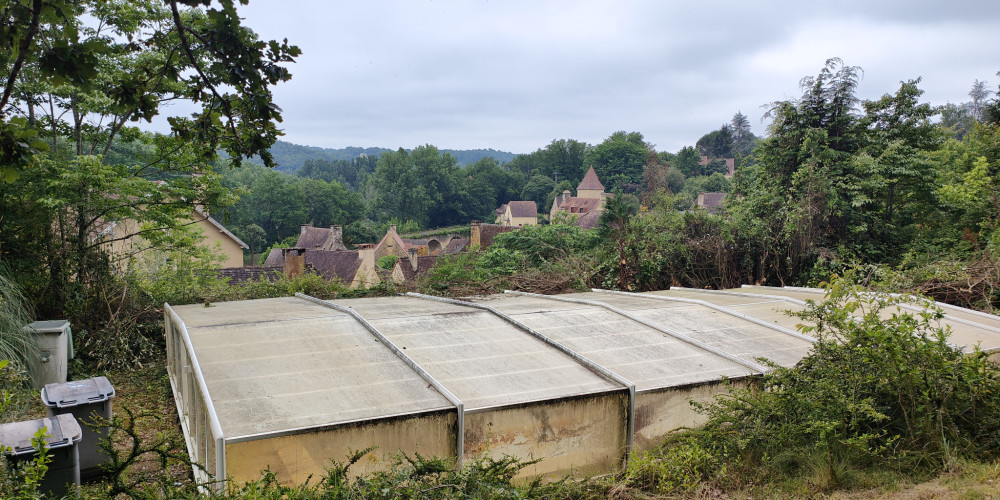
[[124, 242], [519, 213], [590, 198]]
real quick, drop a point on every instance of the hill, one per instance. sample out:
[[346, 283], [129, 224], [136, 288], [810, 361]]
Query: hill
[[291, 156]]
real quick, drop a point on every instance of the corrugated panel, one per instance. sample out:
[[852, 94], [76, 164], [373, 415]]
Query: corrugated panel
[[485, 361], [648, 358], [275, 365]]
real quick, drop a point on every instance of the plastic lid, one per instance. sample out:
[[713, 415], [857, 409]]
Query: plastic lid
[[77, 392], [50, 326], [62, 430]]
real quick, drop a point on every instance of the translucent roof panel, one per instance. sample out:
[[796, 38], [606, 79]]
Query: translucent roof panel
[[648, 358], [766, 308], [281, 364], [727, 332], [968, 328], [485, 361]]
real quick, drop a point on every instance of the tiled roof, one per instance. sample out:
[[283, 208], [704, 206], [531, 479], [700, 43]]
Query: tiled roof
[[576, 205], [457, 244], [523, 209], [589, 220], [424, 264], [489, 231], [590, 182], [321, 238], [711, 201], [330, 264]]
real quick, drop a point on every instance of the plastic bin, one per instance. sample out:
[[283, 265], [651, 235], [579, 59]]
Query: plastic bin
[[55, 346], [84, 399], [63, 440]]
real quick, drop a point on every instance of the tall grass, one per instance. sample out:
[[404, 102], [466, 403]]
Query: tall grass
[[16, 344]]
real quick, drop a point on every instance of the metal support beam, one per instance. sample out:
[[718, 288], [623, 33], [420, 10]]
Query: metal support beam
[[175, 321], [579, 358], [757, 367], [459, 406]]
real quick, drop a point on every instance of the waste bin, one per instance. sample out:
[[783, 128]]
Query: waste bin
[[63, 441], [55, 347], [85, 400]]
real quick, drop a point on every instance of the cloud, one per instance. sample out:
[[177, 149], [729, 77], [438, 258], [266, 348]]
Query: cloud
[[514, 75]]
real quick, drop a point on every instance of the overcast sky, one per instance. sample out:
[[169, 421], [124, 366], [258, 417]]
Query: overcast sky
[[514, 75]]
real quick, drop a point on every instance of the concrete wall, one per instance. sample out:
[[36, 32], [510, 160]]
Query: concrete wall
[[293, 458], [657, 413], [583, 435]]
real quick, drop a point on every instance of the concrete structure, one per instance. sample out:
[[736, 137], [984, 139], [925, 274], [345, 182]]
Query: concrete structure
[[578, 380]]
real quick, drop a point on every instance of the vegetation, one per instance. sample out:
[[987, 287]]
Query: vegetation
[[882, 396], [881, 189]]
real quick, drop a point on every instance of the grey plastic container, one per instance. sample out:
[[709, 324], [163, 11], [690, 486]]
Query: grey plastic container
[[55, 348], [64, 438], [85, 400]]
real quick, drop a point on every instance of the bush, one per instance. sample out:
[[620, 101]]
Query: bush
[[882, 390]]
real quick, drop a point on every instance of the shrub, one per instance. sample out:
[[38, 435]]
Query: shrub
[[881, 390]]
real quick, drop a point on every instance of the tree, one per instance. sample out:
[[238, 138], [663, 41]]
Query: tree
[[798, 198], [619, 159], [979, 95], [255, 237], [537, 188], [78, 74], [687, 161], [717, 144]]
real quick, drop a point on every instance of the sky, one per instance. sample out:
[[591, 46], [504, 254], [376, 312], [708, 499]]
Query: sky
[[514, 75]]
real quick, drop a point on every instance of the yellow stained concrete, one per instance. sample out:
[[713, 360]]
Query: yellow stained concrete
[[581, 435], [660, 412], [293, 458]]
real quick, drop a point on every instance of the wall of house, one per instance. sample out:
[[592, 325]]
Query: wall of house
[[222, 244]]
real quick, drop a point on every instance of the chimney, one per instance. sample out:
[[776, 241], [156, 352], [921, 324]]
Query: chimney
[[474, 234], [338, 238], [295, 261], [304, 227], [366, 254], [413, 259], [392, 228]]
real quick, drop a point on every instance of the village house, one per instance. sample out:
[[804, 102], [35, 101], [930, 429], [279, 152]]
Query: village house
[[711, 201], [124, 242], [518, 213], [587, 204]]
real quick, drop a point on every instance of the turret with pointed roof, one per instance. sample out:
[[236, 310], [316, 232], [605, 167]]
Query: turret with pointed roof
[[590, 186]]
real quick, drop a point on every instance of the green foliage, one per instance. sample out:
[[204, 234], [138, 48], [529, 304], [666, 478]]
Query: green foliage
[[387, 261], [413, 477], [881, 389], [620, 159], [16, 344]]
